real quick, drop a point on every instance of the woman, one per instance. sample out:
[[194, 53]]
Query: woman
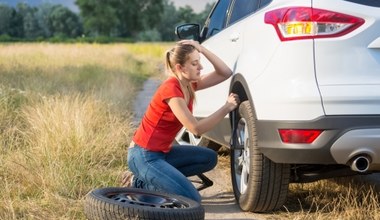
[[154, 162]]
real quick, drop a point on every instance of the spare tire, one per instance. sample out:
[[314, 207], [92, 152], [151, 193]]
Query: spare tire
[[138, 204]]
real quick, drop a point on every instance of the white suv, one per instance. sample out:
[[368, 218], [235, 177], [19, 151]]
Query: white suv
[[308, 75]]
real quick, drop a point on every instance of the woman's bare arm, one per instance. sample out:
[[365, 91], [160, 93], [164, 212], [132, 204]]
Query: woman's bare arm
[[198, 127], [221, 70]]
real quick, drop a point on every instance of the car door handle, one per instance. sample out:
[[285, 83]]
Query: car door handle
[[234, 37], [375, 44]]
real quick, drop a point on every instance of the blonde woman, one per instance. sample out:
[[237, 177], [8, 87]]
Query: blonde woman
[[154, 162]]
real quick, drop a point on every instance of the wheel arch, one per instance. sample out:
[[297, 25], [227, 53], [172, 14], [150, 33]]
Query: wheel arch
[[240, 86]]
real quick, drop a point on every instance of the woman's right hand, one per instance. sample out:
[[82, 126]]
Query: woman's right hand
[[233, 101]]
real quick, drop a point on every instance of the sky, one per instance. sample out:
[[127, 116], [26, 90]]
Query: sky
[[197, 5]]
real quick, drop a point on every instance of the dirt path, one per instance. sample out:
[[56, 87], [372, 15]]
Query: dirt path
[[218, 200]]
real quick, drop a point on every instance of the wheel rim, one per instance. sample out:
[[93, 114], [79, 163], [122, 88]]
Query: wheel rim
[[241, 156], [147, 199], [184, 137]]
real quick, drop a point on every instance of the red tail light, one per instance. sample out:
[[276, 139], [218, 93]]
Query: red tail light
[[299, 136], [308, 23]]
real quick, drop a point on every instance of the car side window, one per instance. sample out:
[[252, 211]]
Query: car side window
[[242, 8], [264, 3], [217, 19]]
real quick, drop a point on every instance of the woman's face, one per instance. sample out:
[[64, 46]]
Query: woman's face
[[191, 70]]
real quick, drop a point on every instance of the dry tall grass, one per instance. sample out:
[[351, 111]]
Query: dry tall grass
[[64, 122], [331, 199]]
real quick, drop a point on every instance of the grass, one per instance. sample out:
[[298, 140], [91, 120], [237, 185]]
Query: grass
[[65, 115], [331, 199]]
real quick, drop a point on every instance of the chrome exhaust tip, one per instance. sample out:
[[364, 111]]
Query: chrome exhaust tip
[[360, 164]]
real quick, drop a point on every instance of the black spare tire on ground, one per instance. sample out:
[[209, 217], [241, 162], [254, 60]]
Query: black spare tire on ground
[[138, 204]]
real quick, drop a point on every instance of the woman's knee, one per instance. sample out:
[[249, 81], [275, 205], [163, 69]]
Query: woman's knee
[[212, 156]]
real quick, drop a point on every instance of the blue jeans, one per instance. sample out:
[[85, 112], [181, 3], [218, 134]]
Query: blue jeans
[[168, 172]]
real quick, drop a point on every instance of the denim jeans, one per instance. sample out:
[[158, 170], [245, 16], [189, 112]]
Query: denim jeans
[[168, 172]]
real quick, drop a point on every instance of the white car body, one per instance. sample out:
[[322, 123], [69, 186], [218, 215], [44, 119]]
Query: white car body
[[309, 71], [301, 79]]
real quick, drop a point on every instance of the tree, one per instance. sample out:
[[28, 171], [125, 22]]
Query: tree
[[30, 26], [16, 25], [99, 17], [168, 22], [186, 14], [119, 18], [139, 15], [12, 20], [63, 22], [6, 14]]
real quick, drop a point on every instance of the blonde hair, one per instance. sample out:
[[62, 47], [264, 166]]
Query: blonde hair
[[179, 54]]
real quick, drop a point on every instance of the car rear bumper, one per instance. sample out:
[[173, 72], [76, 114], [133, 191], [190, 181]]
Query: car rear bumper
[[343, 140]]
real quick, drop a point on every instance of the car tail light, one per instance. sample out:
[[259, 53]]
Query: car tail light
[[299, 136], [308, 23]]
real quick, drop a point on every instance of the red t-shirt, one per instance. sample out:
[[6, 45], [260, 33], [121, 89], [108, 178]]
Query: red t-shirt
[[159, 125]]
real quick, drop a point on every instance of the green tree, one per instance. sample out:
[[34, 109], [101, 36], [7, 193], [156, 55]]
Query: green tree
[[139, 15], [186, 14], [43, 15], [12, 20], [99, 16], [119, 18], [63, 22], [28, 23], [6, 15], [16, 26], [168, 22]]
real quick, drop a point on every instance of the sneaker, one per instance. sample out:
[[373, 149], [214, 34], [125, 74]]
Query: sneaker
[[127, 179]]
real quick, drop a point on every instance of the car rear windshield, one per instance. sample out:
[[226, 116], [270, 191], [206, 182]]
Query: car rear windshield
[[373, 3]]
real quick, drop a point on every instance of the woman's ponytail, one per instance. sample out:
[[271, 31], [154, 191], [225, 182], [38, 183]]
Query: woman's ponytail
[[168, 62]]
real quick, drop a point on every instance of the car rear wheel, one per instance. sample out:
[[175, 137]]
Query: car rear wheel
[[259, 184]]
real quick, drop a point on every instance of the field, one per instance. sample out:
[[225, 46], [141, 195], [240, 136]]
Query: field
[[65, 120]]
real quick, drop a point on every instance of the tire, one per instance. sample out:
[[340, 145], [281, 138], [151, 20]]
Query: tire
[[184, 137], [259, 184], [118, 203]]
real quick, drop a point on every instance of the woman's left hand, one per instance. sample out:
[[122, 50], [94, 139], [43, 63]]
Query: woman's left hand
[[233, 101]]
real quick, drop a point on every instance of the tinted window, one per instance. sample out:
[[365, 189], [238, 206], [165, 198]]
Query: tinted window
[[218, 17], [243, 8], [374, 3], [264, 3]]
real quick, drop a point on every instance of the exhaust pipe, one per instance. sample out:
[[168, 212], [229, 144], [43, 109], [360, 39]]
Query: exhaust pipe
[[360, 164]]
